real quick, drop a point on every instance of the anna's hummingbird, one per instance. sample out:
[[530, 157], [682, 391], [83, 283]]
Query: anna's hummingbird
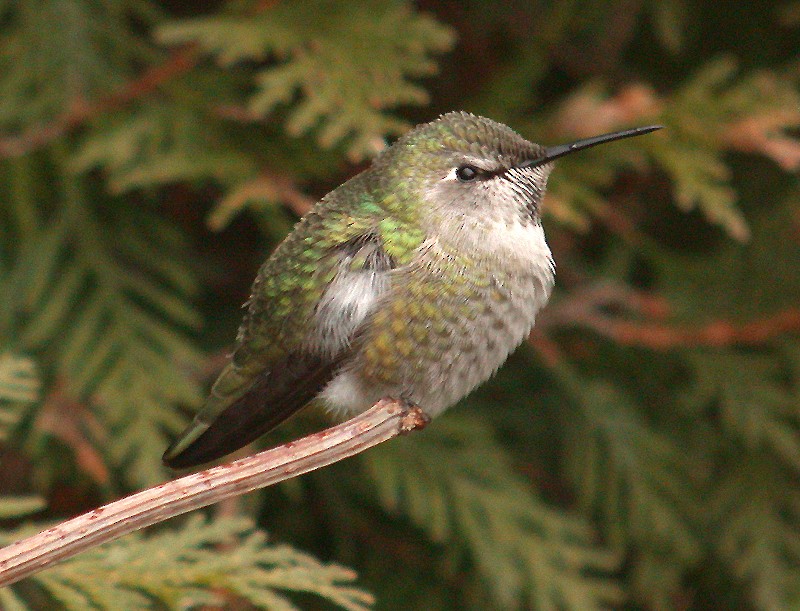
[[413, 280]]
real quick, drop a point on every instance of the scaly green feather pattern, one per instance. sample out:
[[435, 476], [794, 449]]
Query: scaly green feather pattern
[[384, 203], [290, 284]]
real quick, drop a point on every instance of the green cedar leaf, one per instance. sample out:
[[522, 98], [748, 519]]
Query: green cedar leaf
[[202, 563], [324, 66], [455, 482]]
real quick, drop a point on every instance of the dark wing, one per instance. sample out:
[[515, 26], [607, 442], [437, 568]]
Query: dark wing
[[265, 383], [274, 397]]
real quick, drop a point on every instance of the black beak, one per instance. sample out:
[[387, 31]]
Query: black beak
[[554, 152]]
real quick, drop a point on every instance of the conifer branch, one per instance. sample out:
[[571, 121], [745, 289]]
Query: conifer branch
[[268, 186], [40, 135], [718, 333], [586, 308], [385, 420]]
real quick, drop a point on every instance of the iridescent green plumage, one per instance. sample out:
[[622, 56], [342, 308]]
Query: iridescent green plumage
[[415, 279], [280, 312]]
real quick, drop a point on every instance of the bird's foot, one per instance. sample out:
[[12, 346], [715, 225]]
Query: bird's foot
[[415, 419]]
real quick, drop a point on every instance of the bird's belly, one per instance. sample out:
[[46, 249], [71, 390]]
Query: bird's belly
[[438, 337]]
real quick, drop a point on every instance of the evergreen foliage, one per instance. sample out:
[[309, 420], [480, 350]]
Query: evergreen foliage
[[458, 484], [183, 568], [641, 451], [342, 89], [19, 389]]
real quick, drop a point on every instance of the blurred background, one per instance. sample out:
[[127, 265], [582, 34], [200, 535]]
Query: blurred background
[[640, 451]]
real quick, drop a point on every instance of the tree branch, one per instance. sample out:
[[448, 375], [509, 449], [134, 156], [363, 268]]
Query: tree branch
[[268, 186], [603, 307], [178, 63], [714, 334], [385, 420]]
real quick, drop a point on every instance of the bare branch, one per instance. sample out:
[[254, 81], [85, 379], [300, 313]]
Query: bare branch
[[40, 135], [267, 186], [713, 334], [640, 319], [385, 420]]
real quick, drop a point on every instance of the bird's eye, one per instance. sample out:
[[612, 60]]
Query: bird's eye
[[466, 173]]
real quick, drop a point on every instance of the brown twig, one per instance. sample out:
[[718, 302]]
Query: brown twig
[[548, 350], [714, 334], [72, 422], [179, 62], [268, 186], [385, 420], [587, 307]]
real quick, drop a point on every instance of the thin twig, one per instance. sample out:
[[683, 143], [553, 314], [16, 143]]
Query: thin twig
[[178, 63], [267, 186], [606, 309], [715, 334], [385, 420]]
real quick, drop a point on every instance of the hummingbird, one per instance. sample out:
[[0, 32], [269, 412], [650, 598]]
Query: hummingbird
[[413, 280]]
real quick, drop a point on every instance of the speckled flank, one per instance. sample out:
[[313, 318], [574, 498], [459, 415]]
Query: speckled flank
[[447, 324], [448, 306]]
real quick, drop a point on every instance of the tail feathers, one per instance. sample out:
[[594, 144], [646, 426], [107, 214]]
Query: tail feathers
[[242, 423], [186, 440], [274, 397]]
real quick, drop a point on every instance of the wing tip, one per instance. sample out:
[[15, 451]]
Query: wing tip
[[174, 458], [178, 461], [182, 453], [263, 407], [177, 458]]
